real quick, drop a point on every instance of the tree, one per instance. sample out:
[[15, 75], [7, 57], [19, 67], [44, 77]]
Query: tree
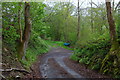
[[61, 21], [118, 20], [111, 22], [19, 20], [91, 16], [78, 26], [26, 34], [114, 53]]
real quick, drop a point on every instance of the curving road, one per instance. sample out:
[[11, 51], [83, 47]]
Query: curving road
[[52, 65]]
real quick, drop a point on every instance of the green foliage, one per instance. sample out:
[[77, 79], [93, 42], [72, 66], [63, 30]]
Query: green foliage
[[58, 19], [59, 23], [9, 26], [10, 37], [37, 43], [11, 34], [92, 53], [36, 47], [74, 57], [96, 67], [37, 16]]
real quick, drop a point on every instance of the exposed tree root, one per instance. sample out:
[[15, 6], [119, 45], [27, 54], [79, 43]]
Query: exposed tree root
[[2, 76], [14, 69]]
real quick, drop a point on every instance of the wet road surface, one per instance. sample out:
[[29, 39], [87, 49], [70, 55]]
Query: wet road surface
[[52, 64]]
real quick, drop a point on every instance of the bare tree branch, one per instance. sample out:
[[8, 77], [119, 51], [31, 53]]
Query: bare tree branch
[[117, 5], [94, 4]]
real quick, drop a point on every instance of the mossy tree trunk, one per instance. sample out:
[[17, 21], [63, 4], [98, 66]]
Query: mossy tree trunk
[[111, 60], [26, 34], [111, 22]]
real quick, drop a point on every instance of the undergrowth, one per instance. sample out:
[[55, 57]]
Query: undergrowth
[[92, 55], [36, 47]]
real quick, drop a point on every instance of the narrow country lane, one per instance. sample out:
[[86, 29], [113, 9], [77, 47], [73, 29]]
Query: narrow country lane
[[52, 65]]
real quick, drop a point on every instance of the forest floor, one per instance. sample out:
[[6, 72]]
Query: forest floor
[[56, 64]]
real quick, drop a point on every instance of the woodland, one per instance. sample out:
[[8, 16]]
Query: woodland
[[30, 29]]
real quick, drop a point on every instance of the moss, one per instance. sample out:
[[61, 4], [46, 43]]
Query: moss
[[20, 50], [111, 62], [114, 46]]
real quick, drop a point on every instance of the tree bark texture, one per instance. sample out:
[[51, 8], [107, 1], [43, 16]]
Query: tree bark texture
[[26, 33], [111, 22], [78, 28]]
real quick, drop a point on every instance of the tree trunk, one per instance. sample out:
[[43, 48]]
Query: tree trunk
[[78, 27], [20, 45], [19, 21], [28, 25], [113, 56], [111, 22], [91, 17], [66, 24], [27, 31], [119, 21]]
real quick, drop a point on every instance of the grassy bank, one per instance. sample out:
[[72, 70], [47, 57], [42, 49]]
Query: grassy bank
[[37, 46], [58, 44], [92, 55]]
